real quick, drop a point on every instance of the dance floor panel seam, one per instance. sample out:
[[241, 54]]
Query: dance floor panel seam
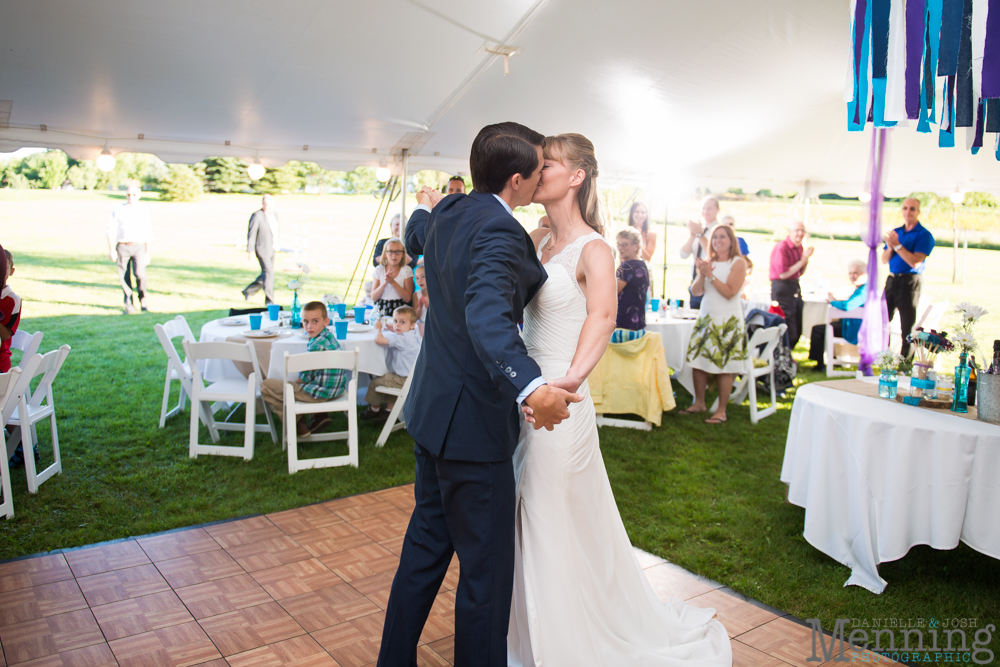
[[305, 587]]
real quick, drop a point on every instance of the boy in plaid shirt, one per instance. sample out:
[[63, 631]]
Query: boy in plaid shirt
[[316, 386]]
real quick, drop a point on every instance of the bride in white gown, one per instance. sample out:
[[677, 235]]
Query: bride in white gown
[[580, 596]]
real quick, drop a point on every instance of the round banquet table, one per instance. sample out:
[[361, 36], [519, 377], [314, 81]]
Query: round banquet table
[[675, 333], [371, 357], [877, 477]]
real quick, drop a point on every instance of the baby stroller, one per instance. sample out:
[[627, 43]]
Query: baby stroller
[[784, 367]]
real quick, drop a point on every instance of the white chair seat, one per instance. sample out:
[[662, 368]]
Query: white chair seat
[[13, 385], [221, 390], [35, 413]]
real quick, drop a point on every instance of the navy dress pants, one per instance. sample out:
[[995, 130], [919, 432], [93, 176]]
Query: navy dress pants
[[466, 508]]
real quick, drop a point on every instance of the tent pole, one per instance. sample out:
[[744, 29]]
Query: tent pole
[[965, 251], [402, 217], [666, 214]]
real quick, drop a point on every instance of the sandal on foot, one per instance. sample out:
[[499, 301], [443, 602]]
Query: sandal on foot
[[689, 411], [715, 420]]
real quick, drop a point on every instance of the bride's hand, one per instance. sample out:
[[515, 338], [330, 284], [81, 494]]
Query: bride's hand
[[569, 383]]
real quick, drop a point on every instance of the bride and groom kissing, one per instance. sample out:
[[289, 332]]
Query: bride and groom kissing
[[509, 474]]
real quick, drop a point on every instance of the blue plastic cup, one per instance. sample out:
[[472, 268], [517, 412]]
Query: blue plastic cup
[[655, 303], [340, 327], [273, 310], [255, 321], [359, 314], [340, 309]]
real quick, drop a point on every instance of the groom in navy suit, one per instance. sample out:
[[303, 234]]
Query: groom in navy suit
[[462, 410]]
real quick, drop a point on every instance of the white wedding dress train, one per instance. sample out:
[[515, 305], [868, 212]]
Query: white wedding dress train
[[580, 596]]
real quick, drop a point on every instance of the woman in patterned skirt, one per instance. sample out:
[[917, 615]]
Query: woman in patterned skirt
[[719, 341]]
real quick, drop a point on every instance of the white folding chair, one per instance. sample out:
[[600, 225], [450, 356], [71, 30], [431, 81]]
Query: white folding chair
[[177, 370], [347, 402], [33, 408], [832, 343], [12, 386], [760, 348], [228, 390], [391, 424]]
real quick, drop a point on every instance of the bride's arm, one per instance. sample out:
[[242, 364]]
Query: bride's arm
[[600, 286]]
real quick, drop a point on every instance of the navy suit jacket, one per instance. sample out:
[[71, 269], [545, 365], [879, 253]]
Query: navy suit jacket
[[481, 270]]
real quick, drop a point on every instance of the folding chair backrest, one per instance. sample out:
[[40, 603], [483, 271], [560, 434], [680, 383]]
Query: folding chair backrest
[[220, 350], [768, 338], [932, 316], [49, 365], [311, 361], [8, 383], [169, 330], [20, 385], [27, 343]]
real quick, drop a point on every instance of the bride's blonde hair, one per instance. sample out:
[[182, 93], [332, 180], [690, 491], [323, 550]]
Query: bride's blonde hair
[[577, 152]]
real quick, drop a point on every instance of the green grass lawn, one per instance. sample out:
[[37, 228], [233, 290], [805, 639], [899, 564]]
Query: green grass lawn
[[705, 497]]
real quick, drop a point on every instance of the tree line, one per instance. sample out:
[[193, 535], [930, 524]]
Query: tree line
[[52, 169]]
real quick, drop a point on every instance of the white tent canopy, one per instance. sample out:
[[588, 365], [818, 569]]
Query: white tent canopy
[[716, 93]]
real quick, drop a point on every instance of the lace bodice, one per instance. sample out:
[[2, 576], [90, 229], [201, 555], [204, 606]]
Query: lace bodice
[[554, 318]]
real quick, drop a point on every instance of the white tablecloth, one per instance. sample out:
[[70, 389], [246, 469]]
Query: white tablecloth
[[878, 477], [675, 333], [371, 358]]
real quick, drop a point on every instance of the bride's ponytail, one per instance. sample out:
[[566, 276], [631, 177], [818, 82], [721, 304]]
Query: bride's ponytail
[[577, 152]]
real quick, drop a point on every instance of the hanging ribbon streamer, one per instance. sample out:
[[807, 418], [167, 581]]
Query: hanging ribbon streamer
[[904, 51], [873, 337]]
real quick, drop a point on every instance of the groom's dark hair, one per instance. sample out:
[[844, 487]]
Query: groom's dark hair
[[499, 152]]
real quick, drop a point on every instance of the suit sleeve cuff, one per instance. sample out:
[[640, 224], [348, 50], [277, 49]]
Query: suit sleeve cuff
[[421, 207], [532, 386]]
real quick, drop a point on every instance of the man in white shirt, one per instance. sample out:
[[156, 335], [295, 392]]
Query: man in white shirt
[[697, 243], [129, 234]]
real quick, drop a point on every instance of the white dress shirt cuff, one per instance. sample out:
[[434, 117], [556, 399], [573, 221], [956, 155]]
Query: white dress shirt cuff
[[532, 386], [421, 207]]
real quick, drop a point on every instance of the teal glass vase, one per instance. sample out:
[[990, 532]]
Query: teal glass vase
[[888, 383], [296, 311], [960, 400]]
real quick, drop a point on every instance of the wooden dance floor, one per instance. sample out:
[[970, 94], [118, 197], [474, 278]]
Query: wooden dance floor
[[307, 587]]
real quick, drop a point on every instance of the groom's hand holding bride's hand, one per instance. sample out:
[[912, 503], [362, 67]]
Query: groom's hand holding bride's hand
[[548, 405], [429, 197]]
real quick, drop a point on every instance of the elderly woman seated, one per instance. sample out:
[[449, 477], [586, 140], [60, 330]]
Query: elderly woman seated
[[846, 329]]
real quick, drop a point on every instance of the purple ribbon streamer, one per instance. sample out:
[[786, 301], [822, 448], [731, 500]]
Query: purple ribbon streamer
[[873, 336], [991, 53], [859, 39], [916, 25]]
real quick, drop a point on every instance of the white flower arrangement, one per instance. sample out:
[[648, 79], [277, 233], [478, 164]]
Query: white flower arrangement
[[969, 314], [888, 360], [299, 281], [964, 340]]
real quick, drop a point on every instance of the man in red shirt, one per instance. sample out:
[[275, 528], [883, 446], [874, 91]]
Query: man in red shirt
[[788, 262]]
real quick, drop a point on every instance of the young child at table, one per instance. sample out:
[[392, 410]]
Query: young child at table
[[10, 309], [316, 386], [421, 301], [402, 347], [393, 280]]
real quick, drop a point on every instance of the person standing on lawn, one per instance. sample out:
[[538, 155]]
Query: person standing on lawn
[[129, 234], [262, 241], [788, 262], [906, 249]]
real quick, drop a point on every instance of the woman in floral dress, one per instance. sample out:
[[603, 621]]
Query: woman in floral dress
[[719, 341]]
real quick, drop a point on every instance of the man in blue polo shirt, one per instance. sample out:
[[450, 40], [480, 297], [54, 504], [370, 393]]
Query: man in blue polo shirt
[[906, 249]]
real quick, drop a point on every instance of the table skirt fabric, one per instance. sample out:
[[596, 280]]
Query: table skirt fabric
[[878, 477]]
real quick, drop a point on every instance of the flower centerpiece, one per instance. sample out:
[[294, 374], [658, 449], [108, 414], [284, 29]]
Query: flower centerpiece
[[925, 346], [295, 284], [888, 364], [968, 315]]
